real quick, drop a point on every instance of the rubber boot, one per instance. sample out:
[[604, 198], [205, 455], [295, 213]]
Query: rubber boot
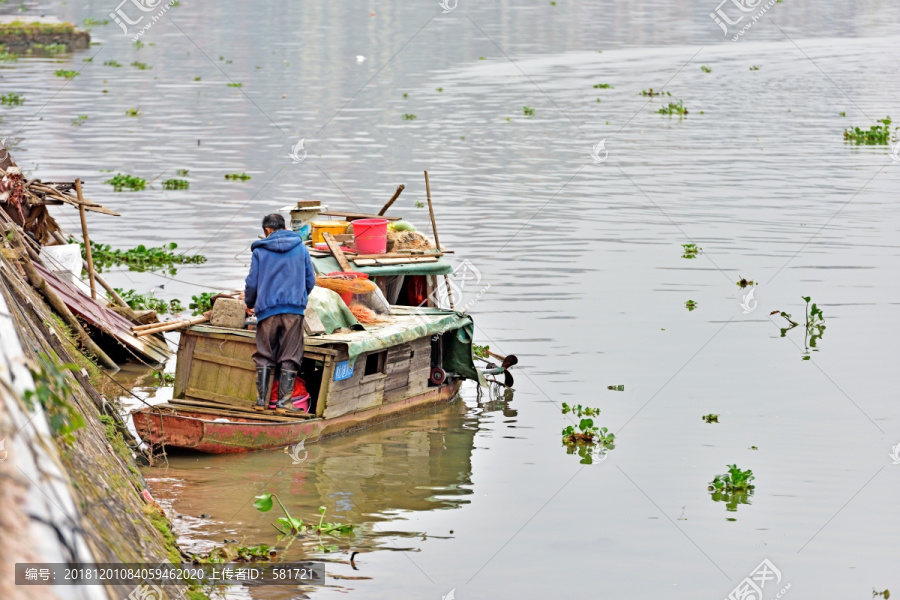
[[263, 374], [286, 391]]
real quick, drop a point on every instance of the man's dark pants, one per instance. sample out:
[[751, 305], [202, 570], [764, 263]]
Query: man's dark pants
[[279, 342]]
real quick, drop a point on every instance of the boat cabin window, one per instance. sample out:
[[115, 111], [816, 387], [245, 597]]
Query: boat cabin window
[[375, 363]]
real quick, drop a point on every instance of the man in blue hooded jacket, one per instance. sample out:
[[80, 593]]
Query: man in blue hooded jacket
[[277, 290]]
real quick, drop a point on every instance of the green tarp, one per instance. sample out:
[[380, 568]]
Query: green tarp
[[408, 324], [331, 310]]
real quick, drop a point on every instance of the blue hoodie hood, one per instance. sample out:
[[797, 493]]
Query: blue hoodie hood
[[281, 275], [283, 240]]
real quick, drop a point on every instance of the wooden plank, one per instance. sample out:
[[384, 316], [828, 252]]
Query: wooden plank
[[400, 352], [401, 366], [183, 364], [418, 381], [214, 397], [370, 262], [226, 360], [248, 413], [336, 251], [325, 388], [363, 388], [355, 404], [317, 352], [397, 380], [401, 254], [420, 360], [355, 215]]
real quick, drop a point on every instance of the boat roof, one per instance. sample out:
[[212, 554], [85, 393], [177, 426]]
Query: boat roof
[[403, 325]]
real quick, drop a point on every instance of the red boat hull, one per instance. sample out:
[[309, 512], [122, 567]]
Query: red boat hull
[[194, 429]]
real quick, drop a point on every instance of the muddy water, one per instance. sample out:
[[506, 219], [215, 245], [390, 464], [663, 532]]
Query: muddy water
[[581, 271]]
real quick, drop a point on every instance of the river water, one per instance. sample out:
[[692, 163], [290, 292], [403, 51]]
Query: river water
[[580, 265]]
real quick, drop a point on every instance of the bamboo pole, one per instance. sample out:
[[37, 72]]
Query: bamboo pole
[[170, 326], [437, 242], [110, 289], [396, 195], [38, 283], [87, 240]]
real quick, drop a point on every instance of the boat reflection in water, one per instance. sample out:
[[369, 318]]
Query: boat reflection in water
[[421, 462]]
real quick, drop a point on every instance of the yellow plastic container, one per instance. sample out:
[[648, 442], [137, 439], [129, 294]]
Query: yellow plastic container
[[317, 228]]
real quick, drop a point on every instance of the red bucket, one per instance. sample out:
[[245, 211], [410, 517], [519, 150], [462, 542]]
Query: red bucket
[[348, 296], [370, 236]]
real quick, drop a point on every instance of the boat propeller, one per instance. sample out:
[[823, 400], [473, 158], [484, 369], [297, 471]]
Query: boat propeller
[[492, 369]]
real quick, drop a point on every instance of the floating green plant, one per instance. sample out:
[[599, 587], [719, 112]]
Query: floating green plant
[[585, 432], [690, 305], [673, 108], [201, 303], [121, 182], [706, 68], [690, 250], [876, 134], [230, 553], [651, 93], [140, 65], [237, 176], [132, 112], [440, 89], [287, 525], [735, 480], [12, 99], [480, 351], [138, 44], [814, 325], [111, 63], [140, 258], [182, 172], [616, 388], [754, 68], [235, 84], [163, 379], [139, 301], [79, 120], [91, 22], [409, 116], [733, 488], [529, 112], [68, 74], [52, 48], [710, 418], [176, 184], [744, 282], [603, 86]]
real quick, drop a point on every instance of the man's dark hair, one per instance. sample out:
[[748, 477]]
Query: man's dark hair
[[273, 221]]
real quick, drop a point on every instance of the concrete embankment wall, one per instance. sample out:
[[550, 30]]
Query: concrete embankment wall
[[75, 501]]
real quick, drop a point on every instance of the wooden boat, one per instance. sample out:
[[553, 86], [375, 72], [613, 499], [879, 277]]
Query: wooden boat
[[355, 379], [416, 358]]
